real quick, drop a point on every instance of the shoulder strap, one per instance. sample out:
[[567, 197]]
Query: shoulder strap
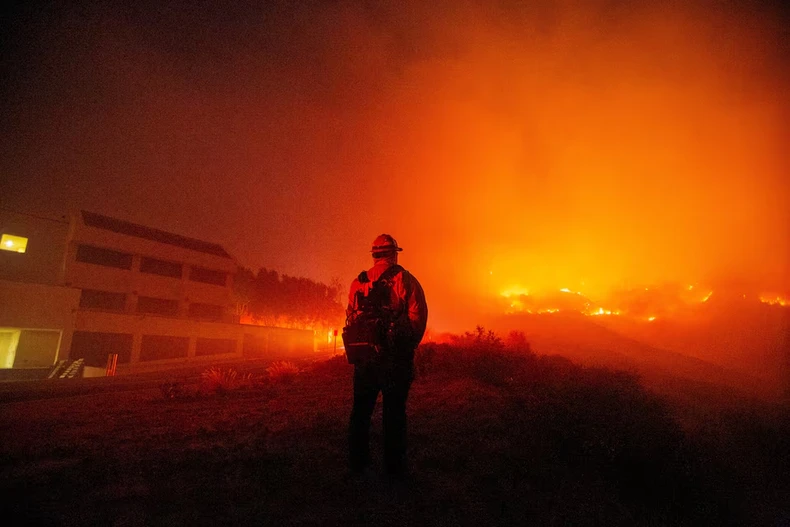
[[390, 273]]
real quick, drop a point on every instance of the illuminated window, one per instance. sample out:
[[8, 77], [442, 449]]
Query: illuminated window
[[15, 244]]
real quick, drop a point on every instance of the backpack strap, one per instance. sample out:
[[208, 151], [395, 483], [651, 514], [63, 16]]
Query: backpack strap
[[390, 273]]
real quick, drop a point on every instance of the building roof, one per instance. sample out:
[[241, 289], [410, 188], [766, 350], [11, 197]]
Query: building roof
[[92, 219]]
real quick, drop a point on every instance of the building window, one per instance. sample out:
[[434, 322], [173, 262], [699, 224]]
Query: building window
[[157, 306], [15, 244], [214, 346], [158, 347], [95, 346], [37, 348], [90, 298], [208, 276], [106, 257], [205, 311], [160, 267]]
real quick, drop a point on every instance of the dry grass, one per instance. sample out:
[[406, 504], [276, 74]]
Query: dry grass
[[283, 372], [222, 380], [497, 437]]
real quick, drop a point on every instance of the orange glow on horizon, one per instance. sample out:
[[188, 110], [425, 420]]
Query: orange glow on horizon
[[775, 300], [668, 300]]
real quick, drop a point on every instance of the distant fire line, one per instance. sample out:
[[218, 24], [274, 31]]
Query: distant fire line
[[522, 301]]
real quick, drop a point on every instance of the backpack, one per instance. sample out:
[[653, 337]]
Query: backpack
[[365, 334]]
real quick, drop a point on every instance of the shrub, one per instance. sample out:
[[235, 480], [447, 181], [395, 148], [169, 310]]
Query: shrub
[[218, 380], [282, 371], [480, 338], [517, 341], [480, 355]]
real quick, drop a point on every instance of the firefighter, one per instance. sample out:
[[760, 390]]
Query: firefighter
[[390, 369]]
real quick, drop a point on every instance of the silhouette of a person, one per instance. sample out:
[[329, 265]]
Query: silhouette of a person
[[391, 370]]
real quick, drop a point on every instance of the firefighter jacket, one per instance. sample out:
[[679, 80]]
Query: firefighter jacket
[[407, 299]]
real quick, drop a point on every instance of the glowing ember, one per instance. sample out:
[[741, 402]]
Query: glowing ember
[[601, 311], [775, 300], [520, 301], [515, 291]]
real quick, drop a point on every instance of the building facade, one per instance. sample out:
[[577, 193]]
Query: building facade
[[89, 286]]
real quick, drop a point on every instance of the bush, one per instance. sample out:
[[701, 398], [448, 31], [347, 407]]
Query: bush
[[517, 341], [479, 339], [218, 380], [480, 355], [282, 371]]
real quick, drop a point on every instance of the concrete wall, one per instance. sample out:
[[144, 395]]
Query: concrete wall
[[264, 342], [248, 341]]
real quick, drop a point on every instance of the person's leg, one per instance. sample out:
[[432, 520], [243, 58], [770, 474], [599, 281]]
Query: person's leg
[[395, 391], [366, 389]]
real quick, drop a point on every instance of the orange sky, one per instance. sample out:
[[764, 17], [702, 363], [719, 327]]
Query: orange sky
[[598, 153], [587, 145]]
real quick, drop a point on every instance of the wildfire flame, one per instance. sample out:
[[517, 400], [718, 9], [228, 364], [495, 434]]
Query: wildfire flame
[[775, 300], [519, 300]]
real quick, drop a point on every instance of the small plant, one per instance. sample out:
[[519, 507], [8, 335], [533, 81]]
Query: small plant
[[282, 371], [218, 380], [480, 338]]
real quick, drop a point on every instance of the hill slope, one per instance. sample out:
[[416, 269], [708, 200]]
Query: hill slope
[[496, 438]]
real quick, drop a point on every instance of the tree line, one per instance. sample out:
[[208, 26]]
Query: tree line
[[271, 299]]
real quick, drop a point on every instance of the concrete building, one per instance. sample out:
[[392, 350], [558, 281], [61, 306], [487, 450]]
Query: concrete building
[[88, 286]]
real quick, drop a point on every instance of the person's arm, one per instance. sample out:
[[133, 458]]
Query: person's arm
[[416, 306]]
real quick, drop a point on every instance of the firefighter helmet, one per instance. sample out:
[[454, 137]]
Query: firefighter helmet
[[385, 243]]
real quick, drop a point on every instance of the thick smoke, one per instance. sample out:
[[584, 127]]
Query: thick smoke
[[590, 145]]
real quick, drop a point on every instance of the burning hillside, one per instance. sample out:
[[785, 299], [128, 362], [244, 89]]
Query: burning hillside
[[648, 303], [726, 334]]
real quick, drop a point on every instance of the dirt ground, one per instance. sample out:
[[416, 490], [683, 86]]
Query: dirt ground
[[565, 450]]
